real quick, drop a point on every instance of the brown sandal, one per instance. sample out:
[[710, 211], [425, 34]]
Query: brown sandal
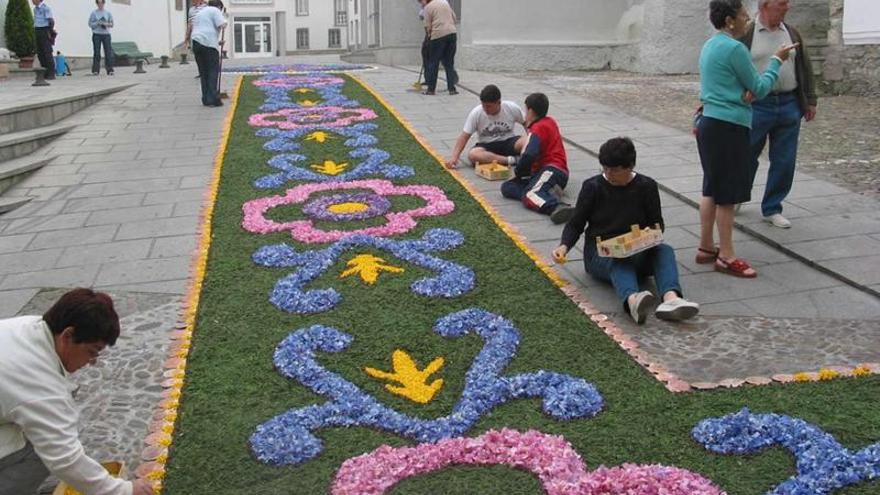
[[705, 256], [736, 267]]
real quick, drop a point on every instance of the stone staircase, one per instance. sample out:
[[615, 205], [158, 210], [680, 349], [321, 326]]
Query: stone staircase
[[25, 129]]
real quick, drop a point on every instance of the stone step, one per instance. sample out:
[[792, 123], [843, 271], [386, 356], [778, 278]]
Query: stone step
[[14, 171], [18, 144], [50, 111], [9, 204]]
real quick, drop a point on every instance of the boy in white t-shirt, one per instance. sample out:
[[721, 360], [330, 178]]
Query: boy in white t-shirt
[[494, 121]]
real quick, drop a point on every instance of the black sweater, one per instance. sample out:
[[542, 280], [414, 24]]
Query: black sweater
[[611, 210]]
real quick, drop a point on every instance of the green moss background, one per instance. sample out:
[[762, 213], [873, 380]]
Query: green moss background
[[231, 385]]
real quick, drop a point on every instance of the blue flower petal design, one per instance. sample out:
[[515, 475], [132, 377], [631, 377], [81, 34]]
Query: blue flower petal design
[[290, 438], [373, 164], [289, 294], [823, 464]]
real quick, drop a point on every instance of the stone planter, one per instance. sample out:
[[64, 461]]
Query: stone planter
[[26, 62]]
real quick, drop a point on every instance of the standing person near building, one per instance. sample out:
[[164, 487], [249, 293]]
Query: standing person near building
[[206, 48], [440, 22], [494, 120], [194, 9], [101, 21], [728, 79], [778, 115], [44, 31], [38, 417]]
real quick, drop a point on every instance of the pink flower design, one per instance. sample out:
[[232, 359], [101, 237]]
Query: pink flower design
[[296, 118], [551, 458], [304, 230], [300, 81]]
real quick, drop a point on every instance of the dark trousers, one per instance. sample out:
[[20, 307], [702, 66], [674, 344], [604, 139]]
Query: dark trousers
[[441, 50], [99, 40], [22, 472], [777, 119], [626, 273], [536, 192], [208, 60], [44, 51]]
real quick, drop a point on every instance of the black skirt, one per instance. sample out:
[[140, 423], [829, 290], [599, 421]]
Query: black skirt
[[724, 154]]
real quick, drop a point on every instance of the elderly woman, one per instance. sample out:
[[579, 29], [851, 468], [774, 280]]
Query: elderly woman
[[728, 84]]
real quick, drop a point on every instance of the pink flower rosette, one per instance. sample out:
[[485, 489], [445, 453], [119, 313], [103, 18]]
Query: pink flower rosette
[[290, 119], [255, 220], [551, 458]]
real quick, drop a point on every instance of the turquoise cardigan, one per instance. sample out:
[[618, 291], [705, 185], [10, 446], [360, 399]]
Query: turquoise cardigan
[[726, 72]]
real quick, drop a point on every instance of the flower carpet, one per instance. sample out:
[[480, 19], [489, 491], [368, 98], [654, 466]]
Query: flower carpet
[[361, 322]]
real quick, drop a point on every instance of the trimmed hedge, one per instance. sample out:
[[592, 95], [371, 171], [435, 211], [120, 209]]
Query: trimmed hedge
[[20, 29]]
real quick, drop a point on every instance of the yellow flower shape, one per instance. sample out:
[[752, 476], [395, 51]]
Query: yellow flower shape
[[413, 382], [308, 103], [827, 374], [318, 136], [861, 371], [349, 207], [368, 267], [329, 167], [303, 90]]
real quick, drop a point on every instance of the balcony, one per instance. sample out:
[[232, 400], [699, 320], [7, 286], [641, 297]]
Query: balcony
[[341, 19]]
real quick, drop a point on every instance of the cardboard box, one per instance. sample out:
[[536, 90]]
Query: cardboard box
[[492, 171], [116, 469], [633, 242]]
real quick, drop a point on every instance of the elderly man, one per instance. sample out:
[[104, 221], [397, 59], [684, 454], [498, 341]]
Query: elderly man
[[44, 28], [38, 417], [440, 25], [778, 115]]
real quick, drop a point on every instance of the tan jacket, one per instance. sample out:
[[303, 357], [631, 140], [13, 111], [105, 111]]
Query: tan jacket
[[439, 19]]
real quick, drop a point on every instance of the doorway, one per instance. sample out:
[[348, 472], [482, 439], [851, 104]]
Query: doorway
[[252, 36]]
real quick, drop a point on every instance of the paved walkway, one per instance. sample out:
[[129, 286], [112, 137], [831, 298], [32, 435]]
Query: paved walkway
[[792, 318]]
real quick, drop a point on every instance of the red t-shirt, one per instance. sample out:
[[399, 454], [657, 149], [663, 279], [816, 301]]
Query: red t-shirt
[[552, 151]]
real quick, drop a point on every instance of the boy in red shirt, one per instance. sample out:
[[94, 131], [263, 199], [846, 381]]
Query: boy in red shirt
[[543, 165]]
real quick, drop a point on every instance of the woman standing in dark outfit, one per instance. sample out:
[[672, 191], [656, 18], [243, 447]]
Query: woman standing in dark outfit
[[728, 84]]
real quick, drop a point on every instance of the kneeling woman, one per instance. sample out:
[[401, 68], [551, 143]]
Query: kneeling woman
[[607, 206]]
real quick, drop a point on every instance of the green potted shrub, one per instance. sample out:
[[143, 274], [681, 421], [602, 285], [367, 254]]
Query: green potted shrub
[[20, 32]]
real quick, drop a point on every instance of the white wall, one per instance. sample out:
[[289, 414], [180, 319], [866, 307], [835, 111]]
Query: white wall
[[2, 23], [146, 22], [320, 20]]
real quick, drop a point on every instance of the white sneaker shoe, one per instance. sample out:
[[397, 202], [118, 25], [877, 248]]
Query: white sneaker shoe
[[677, 310], [640, 305], [777, 220]]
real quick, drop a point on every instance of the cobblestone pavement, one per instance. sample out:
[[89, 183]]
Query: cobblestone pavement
[[842, 145]]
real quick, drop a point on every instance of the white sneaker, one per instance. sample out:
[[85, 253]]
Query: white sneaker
[[778, 221], [640, 306], [677, 310]]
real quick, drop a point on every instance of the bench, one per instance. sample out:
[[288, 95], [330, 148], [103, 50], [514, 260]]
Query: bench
[[125, 52]]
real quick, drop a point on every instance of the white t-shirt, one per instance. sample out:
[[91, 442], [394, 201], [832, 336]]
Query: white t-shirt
[[205, 25], [498, 127]]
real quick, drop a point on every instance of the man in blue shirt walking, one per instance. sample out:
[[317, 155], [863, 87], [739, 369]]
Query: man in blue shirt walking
[[44, 28], [101, 21]]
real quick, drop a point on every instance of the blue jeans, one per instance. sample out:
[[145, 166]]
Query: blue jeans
[[208, 60], [626, 273], [536, 192], [99, 40], [779, 119], [442, 50]]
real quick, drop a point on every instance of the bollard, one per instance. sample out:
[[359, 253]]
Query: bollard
[[183, 59], [164, 64], [40, 75], [140, 66]]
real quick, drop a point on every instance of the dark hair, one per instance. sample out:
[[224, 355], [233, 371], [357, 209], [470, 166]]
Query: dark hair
[[720, 10], [215, 3], [90, 313], [490, 94], [618, 152], [539, 103]]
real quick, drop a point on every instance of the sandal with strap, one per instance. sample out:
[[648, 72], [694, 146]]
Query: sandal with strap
[[706, 256], [737, 267]]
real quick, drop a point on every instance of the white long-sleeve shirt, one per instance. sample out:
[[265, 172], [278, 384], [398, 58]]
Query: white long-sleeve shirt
[[36, 405]]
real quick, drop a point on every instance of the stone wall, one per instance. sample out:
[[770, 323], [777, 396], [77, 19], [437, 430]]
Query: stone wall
[[851, 69]]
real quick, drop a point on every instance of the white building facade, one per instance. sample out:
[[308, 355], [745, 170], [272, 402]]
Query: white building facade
[[265, 28], [156, 26]]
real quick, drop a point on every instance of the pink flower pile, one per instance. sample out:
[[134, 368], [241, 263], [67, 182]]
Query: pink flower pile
[[398, 222], [551, 458], [319, 116]]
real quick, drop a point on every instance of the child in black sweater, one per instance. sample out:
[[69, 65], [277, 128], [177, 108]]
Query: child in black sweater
[[607, 206]]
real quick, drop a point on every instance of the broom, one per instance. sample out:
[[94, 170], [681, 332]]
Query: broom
[[223, 94]]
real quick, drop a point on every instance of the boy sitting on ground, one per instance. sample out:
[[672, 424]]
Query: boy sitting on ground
[[493, 120], [541, 172], [608, 205]]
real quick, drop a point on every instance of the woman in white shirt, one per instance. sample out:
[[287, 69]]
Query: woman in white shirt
[[206, 27]]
